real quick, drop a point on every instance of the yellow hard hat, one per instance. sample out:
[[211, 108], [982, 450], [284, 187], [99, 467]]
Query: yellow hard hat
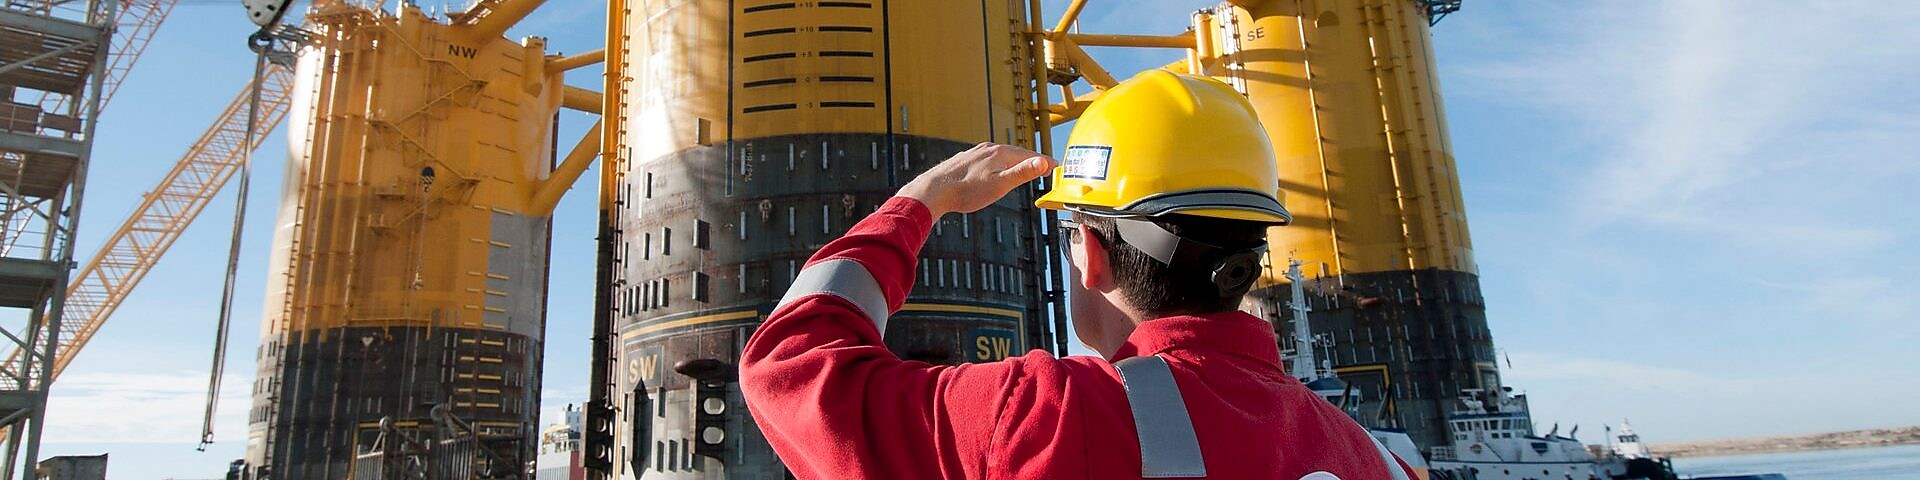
[[1163, 142]]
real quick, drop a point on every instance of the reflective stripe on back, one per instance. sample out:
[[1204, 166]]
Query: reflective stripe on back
[[1168, 446], [842, 278], [1393, 466]]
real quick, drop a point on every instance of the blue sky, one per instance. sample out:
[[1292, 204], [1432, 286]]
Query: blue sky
[[1693, 214]]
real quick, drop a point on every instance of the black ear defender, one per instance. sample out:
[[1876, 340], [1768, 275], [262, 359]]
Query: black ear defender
[[1233, 275]]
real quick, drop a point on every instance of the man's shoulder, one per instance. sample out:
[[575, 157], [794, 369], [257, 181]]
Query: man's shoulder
[[1043, 371], [1042, 364]]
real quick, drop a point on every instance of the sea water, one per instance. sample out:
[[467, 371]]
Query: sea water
[[1875, 463]]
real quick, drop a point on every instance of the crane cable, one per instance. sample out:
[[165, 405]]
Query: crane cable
[[261, 42]]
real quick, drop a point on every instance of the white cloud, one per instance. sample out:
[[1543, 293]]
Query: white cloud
[[1671, 403], [554, 402], [1781, 134], [1724, 245], [1692, 103], [144, 408], [167, 408], [1876, 302], [1639, 378]]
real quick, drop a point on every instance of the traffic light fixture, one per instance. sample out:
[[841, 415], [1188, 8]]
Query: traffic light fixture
[[711, 407], [599, 438]]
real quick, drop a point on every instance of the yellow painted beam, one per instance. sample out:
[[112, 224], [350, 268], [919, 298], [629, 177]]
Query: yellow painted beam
[[1061, 113], [1203, 47], [1088, 67], [956, 308], [581, 99], [557, 184], [1181, 40], [1037, 41], [686, 322], [501, 15], [610, 82], [561, 64], [1067, 19]]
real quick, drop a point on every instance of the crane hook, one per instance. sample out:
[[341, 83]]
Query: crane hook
[[266, 13]]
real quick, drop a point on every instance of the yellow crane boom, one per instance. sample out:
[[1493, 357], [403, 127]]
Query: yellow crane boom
[[135, 22], [163, 214]]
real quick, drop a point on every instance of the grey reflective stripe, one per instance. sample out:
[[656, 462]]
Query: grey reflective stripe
[[842, 278], [1148, 238], [1168, 447], [1393, 466]]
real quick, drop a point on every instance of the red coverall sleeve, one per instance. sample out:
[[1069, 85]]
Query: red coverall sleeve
[[835, 403], [1401, 464]]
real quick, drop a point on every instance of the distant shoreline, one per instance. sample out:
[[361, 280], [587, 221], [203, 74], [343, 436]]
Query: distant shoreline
[[1878, 437]]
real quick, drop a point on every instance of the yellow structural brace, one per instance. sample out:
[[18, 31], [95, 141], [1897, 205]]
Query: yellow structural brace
[[1372, 183], [489, 19], [612, 117], [576, 98], [1184, 40], [563, 176], [561, 64]]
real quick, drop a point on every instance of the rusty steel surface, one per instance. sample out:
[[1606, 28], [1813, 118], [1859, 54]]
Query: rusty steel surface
[[748, 136], [55, 52], [1369, 173], [409, 265]]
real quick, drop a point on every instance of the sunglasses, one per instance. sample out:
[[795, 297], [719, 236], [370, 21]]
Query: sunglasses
[[1066, 232]]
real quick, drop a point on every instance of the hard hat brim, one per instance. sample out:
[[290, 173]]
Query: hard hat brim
[[1232, 204]]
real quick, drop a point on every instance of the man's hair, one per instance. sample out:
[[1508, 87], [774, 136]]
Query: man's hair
[[1165, 290]]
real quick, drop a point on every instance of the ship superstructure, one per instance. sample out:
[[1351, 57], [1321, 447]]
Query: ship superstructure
[[1492, 437], [1627, 444], [559, 457], [1319, 378]]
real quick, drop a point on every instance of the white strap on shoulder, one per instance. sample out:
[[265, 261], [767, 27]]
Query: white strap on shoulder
[[1168, 446], [1393, 465]]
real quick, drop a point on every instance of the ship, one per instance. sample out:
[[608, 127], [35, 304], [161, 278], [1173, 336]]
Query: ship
[[1395, 440], [1319, 376], [1498, 441], [1627, 458], [1493, 439]]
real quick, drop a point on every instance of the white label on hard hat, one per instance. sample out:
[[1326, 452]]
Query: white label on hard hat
[[1085, 161]]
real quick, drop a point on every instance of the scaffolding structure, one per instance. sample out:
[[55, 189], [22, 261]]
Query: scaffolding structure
[[53, 68], [105, 281]]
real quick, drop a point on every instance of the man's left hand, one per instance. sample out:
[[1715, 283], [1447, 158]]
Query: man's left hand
[[975, 178]]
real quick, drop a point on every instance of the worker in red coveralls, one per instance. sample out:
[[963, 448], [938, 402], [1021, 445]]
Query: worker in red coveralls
[[1172, 184]]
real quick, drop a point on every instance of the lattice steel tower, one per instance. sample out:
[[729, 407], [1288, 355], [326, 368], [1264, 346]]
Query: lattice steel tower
[[53, 72]]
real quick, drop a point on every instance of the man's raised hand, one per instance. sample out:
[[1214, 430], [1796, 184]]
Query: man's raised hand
[[975, 178]]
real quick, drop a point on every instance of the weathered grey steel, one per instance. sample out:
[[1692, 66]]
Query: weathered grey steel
[[47, 179]]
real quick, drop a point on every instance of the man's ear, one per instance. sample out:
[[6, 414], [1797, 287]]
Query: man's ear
[[1096, 274]]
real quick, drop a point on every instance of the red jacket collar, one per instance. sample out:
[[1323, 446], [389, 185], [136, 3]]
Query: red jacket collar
[[1234, 332]]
